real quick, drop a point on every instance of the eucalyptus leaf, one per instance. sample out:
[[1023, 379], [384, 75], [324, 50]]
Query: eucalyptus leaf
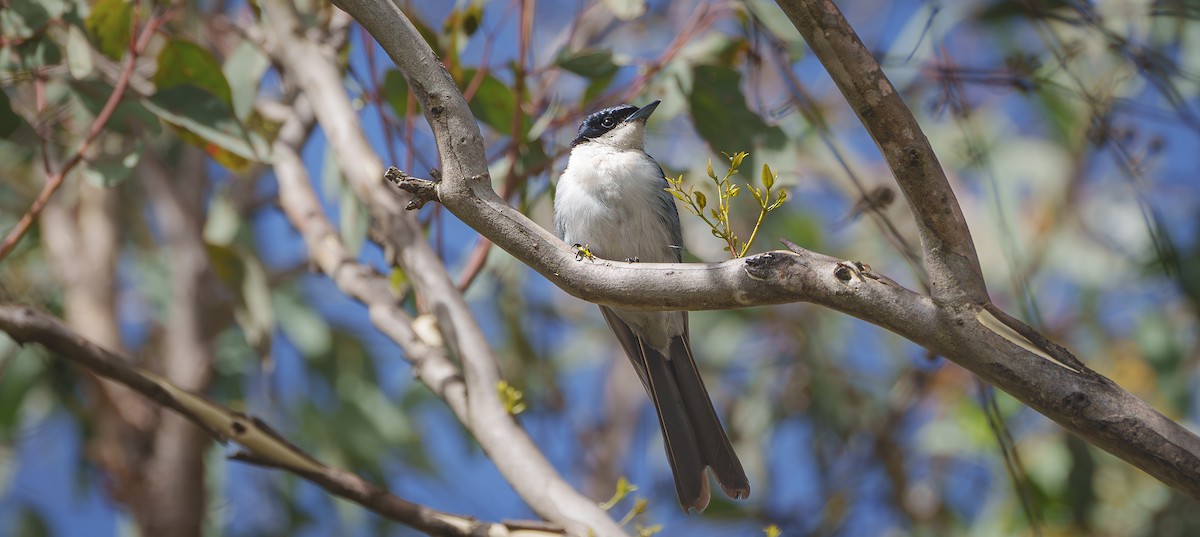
[[302, 325], [494, 103], [110, 24], [719, 111], [243, 71], [9, 120], [26, 18], [395, 92], [129, 118], [181, 62], [592, 63], [204, 115], [79, 53], [18, 61]]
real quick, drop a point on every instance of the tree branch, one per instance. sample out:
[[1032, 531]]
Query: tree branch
[[950, 258], [953, 323], [509, 447], [55, 180], [263, 446]]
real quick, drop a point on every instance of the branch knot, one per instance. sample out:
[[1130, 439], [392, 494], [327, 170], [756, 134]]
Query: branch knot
[[423, 190]]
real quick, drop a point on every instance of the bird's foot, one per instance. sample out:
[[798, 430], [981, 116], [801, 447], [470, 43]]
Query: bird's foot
[[583, 252]]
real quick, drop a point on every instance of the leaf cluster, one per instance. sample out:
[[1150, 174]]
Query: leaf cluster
[[695, 201]]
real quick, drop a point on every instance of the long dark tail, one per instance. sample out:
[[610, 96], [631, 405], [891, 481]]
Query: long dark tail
[[692, 432]]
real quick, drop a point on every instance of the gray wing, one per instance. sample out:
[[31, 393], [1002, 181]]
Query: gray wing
[[560, 227], [669, 215]]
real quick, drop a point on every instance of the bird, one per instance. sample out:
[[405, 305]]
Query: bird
[[612, 202]]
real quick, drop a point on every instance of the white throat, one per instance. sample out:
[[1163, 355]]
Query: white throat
[[623, 137]]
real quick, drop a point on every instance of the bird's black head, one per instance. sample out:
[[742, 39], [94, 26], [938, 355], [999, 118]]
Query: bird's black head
[[600, 123]]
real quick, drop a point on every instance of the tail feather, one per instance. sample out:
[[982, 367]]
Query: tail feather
[[718, 452], [692, 433], [685, 452]]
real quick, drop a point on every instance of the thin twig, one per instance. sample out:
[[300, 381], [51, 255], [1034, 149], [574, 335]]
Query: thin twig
[[263, 445], [55, 180]]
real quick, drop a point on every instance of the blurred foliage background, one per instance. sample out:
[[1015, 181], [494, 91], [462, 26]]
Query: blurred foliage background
[[1069, 130]]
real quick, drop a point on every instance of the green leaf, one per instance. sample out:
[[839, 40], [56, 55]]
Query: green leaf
[[735, 161], [430, 36], [26, 18], [227, 265], [494, 103], [758, 196], [595, 65], [243, 72], [624, 487], [511, 397], [397, 281], [79, 53], [395, 91], [18, 61], [211, 120], [23, 373], [9, 120], [768, 178], [472, 17], [110, 22], [128, 118], [592, 63], [30, 523], [464, 21], [782, 197], [182, 63], [302, 325], [720, 114], [700, 200], [597, 86]]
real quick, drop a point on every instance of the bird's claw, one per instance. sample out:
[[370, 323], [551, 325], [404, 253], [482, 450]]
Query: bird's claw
[[583, 252]]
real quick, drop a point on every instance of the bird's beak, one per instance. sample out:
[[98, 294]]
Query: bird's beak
[[643, 112]]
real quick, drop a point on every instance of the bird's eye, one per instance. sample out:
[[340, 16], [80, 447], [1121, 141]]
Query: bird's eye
[[607, 123]]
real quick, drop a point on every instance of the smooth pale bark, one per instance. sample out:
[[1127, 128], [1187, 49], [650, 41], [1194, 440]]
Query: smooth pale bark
[[957, 321]]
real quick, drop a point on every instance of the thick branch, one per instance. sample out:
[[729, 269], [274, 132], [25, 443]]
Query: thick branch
[[950, 259], [263, 445], [952, 324]]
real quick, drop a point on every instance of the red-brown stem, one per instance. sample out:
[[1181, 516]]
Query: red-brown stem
[[55, 180], [474, 263]]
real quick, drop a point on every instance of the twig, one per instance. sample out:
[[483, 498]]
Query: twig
[[263, 445], [55, 180], [423, 190]]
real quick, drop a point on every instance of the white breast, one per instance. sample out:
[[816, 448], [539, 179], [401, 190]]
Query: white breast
[[609, 200]]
